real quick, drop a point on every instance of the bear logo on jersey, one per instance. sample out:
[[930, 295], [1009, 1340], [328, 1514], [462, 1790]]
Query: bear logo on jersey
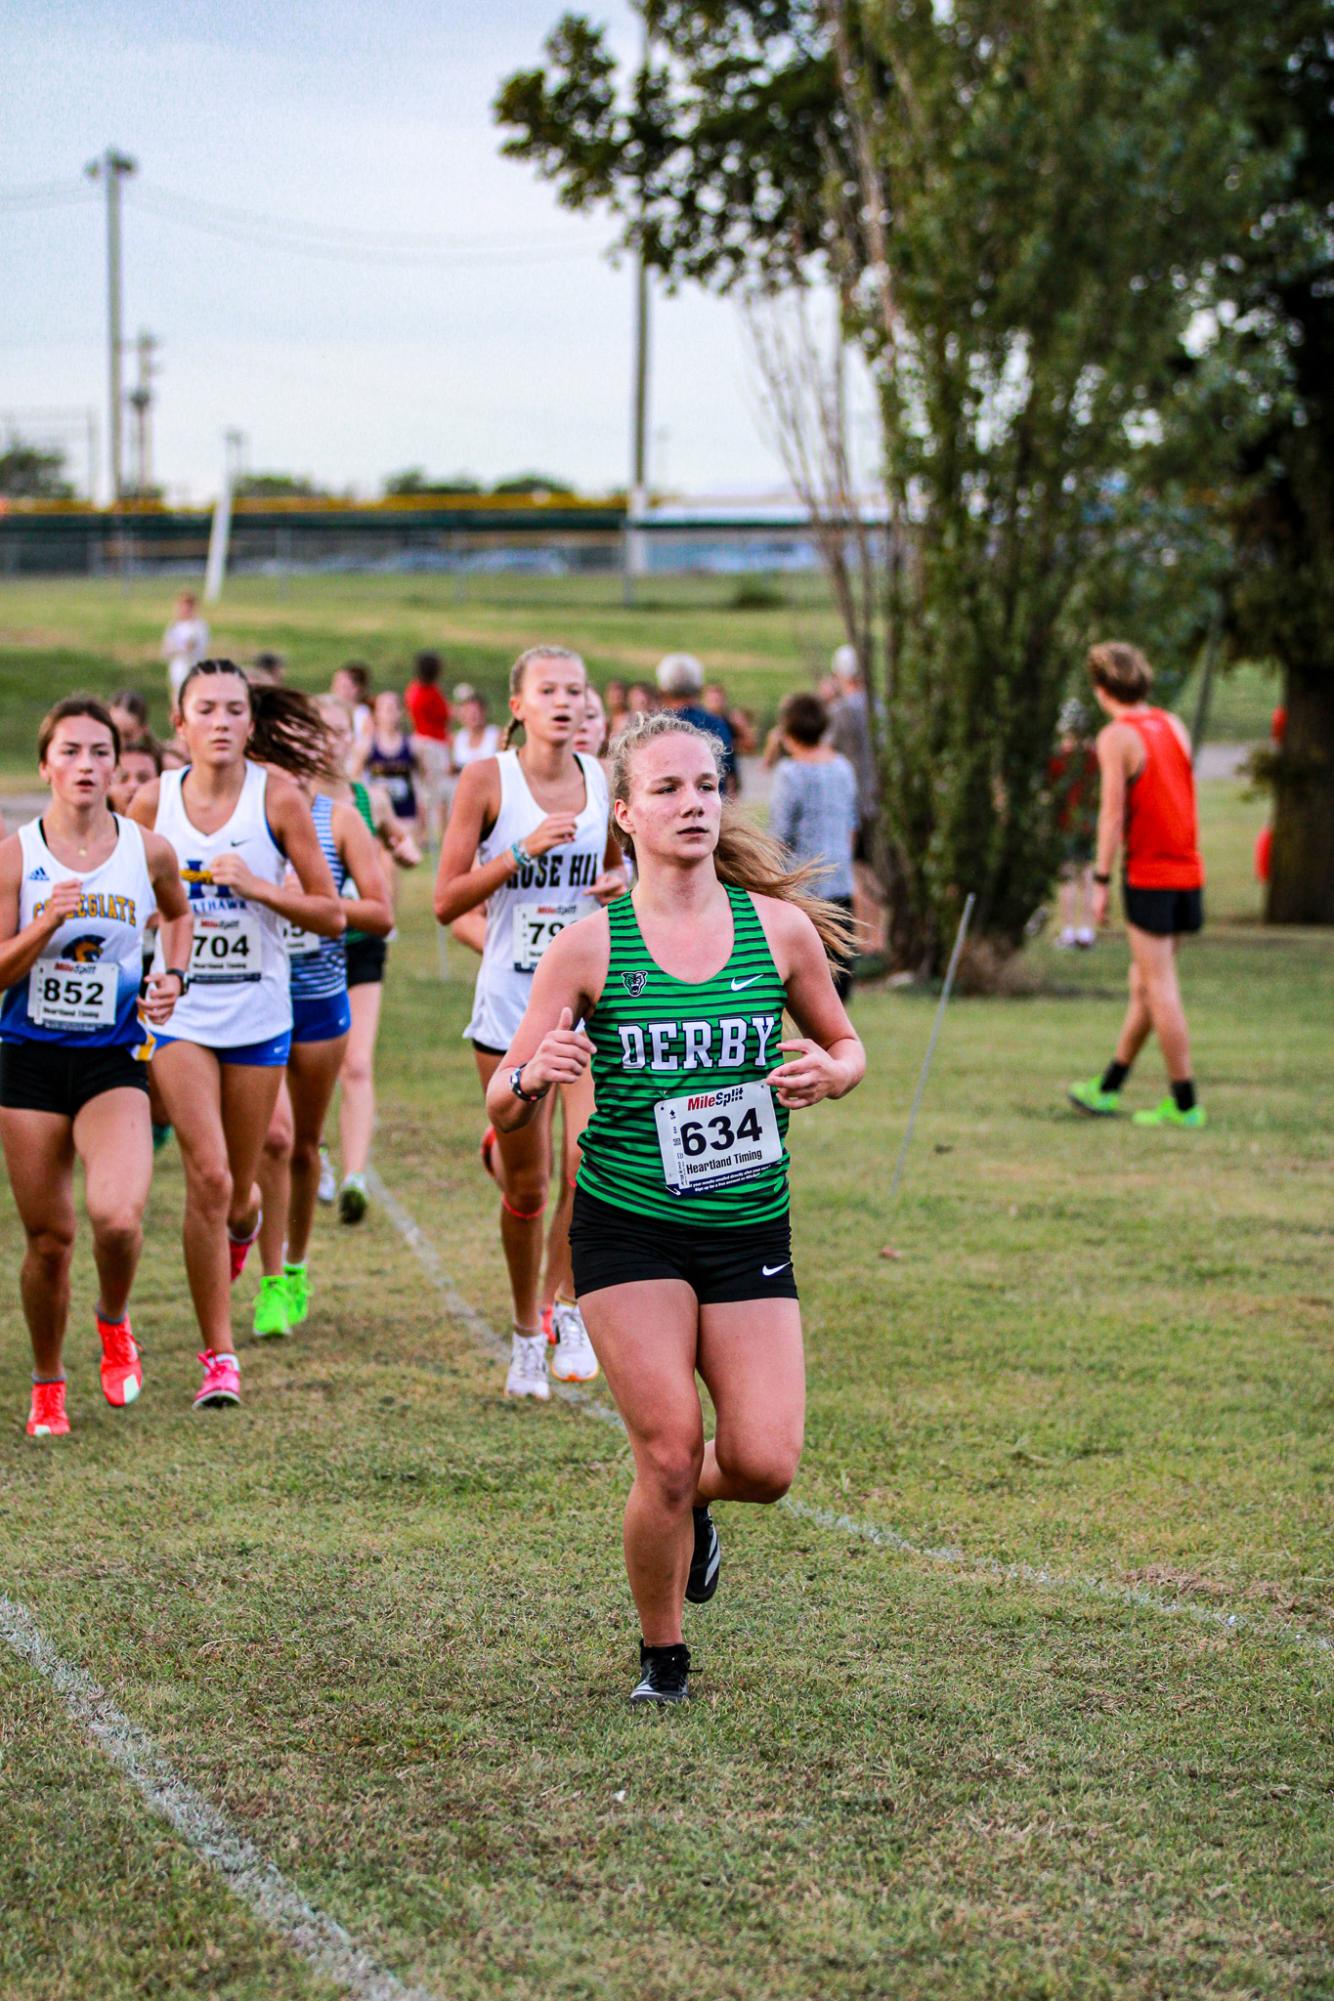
[[635, 984], [83, 950]]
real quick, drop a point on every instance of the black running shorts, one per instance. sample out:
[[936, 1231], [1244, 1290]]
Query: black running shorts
[[611, 1246], [365, 961], [1167, 913], [58, 1077]]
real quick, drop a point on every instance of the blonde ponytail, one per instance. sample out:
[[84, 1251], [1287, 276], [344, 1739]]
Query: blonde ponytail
[[744, 858]]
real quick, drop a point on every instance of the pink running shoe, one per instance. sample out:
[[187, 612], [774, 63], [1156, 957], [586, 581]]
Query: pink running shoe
[[46, 1418], [546, 1321], [238, 1248], [122, 1371], [222, 1381]]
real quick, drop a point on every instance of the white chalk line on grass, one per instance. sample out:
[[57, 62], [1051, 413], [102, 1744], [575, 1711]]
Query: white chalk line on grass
[[323, 1943], [1131, 1596]]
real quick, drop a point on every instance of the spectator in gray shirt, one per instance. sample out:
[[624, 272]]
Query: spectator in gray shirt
[[814, 809]]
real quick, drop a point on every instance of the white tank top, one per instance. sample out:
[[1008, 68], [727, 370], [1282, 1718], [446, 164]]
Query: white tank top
[[84, 990], [527, 911], [238, 990]]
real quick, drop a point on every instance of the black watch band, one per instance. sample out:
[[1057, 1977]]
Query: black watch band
[[1103, 881], [516, 1085], [177, 973]]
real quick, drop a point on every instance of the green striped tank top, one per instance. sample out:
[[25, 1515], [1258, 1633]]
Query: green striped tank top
[[361, 799], [685, 1126]]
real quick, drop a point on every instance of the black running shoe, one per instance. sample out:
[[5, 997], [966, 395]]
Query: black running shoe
[[664, 1674], [707, 1560]]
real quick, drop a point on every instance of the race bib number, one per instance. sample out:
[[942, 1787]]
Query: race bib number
[[299, 944], [226, 948], [535, 925], [713, 1138], [78, 994]]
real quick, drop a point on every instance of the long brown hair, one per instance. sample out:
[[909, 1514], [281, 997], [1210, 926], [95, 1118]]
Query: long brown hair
[[745, 857], [520, 668], [286, 728]]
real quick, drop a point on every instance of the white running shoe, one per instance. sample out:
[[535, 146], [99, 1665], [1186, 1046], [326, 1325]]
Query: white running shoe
[[572, 1358], [328, 1179], [528, 1368]]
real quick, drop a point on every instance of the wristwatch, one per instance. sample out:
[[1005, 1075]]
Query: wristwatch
[[1103, 881], [177, 973], [516, 1085]]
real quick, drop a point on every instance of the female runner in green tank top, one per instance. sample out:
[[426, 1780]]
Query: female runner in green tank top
[[680, 1237]]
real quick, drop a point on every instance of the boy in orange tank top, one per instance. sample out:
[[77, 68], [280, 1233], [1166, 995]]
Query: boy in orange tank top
[[1147, 805]]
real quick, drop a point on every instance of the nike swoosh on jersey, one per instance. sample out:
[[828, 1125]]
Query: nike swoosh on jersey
[[738, 984], [772, 1271]]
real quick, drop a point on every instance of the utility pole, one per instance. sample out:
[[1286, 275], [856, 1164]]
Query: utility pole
[[111, 169], [140, 400]]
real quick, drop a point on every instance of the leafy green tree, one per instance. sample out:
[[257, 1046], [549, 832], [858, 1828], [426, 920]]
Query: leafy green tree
[[416, 480], [1283, 603], [1021, 208], [279, 486], [534, 483], [28, 472]]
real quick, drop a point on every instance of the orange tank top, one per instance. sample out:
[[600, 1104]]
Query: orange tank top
[[1162, 839]]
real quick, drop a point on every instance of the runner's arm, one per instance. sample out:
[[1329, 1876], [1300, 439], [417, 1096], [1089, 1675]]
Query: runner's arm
[[316, 905], [568, 982], [1112, 748], [827, 1056], [459, 884], [389, 829], [20, 950], [372, 909], [177, 926]]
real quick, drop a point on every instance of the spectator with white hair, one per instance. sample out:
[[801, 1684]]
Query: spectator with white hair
[[680, 683]]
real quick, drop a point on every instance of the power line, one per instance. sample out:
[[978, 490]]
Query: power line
[[339, 235], [360, 251], [49, 194]]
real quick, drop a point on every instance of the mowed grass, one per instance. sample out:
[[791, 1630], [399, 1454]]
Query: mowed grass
[[378, 1615], [55, 635], [58, 634]]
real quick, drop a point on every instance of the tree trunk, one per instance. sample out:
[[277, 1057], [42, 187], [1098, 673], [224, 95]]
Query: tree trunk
[[1301, 877]]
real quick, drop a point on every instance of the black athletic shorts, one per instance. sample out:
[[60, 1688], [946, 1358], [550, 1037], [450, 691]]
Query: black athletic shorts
[[1165, 912], [57, 1077], [611, 1246], [365, 961]]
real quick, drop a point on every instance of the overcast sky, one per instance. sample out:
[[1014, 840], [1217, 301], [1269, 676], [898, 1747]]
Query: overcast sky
[[340, 116]]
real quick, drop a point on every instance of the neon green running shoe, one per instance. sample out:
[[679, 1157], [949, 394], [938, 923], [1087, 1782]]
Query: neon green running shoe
[[297, 1280], [1091, 1098], [1167, 1114], [272, 1317]]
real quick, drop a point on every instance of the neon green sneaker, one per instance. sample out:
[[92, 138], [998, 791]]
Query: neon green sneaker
[[272, 1318], [297, 1281], [1167, 1114], [1091, 1098]]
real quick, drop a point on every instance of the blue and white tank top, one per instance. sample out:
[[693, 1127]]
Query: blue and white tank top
[[238, 990], [319, 965], [84, 989]]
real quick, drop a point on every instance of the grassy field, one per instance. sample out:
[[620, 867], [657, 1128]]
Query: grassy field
[[103, 636], [379, 1616]]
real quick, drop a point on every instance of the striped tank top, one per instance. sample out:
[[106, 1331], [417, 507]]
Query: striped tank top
[[685, 1126], [319, 965]]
